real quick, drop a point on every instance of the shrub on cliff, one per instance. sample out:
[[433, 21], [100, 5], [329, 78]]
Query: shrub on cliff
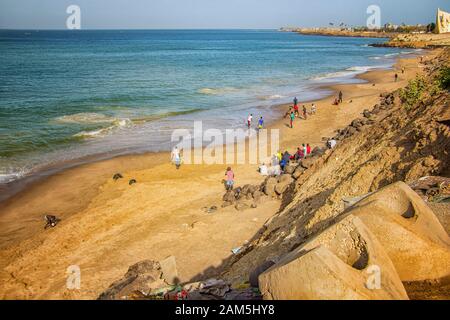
[[444, 78], [413, 92]]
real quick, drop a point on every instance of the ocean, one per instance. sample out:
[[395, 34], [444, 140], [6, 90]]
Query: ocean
[[69, 96]]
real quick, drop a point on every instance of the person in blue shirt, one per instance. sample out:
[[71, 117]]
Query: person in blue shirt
[[260, 123]]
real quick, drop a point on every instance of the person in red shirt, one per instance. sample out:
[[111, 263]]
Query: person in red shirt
[[296, 110], [308, 149]]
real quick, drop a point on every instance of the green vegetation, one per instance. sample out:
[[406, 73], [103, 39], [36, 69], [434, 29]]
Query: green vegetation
[[413, 92], [444, 78]]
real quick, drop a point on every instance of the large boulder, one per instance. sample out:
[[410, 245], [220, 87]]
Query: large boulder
[[343, 262], [289, 169], [411, 234], [142, 277], [298, 172], [308, 162], [269, 186], [284, 182]]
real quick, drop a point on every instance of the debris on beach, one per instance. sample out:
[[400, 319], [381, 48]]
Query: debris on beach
[[51, 221], [132, 181], [117, 176]]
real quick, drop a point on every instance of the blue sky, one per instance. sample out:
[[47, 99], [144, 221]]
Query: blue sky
[[213, 14]]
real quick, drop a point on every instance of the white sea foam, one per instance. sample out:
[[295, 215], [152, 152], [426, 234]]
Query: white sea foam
[[271, 97], [216, 91], [85, 118], [98, 133]]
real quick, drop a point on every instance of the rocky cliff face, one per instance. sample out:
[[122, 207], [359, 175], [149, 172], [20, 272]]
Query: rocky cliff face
[[400, 142]]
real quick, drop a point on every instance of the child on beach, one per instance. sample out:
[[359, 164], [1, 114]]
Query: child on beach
[[295, 101], [249, 120], [288, 113], [230, 178], [313, 109], [176, 158], [292, 119], [304, 112], [340, 97], [308, 149], [260, 123]]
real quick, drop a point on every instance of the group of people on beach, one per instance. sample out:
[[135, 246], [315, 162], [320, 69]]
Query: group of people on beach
[[280, 160], [294, 112]]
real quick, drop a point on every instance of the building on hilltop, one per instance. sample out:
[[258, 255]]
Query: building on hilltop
[[442, 22]]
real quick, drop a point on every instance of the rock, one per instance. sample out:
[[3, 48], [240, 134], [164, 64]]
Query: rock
[[269, 186], [341, 263], [245, 189], [356, 123], [367, 113], [143, 277], [226, 204], [318, 151], [290, 169], [284, 184], [298, 172], [257, 271], [237, 193], [257, 195], [229, 196], [169, 270], [117, 176], [350, 131], [413, 237], [132, 181], [308, 162]]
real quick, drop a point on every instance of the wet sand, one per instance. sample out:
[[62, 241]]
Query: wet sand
[[107, 226]]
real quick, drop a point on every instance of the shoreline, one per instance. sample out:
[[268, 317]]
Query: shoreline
[[95, 210], [13, 188], [103, 165]]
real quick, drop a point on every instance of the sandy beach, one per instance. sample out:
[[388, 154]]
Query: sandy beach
[[109, 225]]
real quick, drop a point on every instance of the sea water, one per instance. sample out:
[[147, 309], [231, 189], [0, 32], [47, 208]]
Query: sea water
[[66, 96]]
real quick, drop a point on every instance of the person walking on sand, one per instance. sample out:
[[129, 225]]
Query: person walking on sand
[[260, 123], [176, 158], [396, 77], [249, 120], [308, 149], [292, 119], [313, 109], [296, 110], [304, 112], [230, 179], [295, 101], [341, 96]]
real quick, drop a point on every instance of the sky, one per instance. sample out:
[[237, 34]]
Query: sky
[[211, 14]]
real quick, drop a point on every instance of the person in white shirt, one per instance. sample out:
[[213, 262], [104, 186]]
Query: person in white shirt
[[331, 143], [176, 158], [263, 170], [249, 120]]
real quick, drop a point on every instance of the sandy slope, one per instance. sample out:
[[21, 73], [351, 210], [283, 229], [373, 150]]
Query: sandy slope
[[107, 226]]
